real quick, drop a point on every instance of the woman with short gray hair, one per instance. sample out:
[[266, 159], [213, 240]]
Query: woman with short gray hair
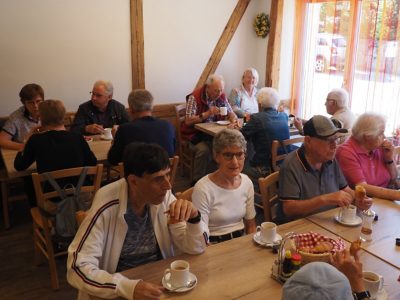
[[225, 198], [243, 99], [367, 158]]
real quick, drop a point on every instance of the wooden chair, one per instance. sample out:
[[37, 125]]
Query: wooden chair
[[269, 195], [187, 195], [275, 157], [43, 221], [174, 162], [185, 153]]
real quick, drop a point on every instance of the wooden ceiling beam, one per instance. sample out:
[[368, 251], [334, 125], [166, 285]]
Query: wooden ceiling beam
[[137, 44], [224, 41], [274, 45]]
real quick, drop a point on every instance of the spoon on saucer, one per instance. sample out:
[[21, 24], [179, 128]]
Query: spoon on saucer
[[190, 284]]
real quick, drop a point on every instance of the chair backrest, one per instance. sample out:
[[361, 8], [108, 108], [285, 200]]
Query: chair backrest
[[174, 161], [39, 181], [269, 195], [275, 157], [180, 110], [187, 195]]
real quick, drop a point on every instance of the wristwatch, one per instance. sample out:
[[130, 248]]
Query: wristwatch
[[196, 219], [361, 295], [389, 162]]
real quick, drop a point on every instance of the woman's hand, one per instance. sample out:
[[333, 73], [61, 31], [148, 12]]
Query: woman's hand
[[388, 150]]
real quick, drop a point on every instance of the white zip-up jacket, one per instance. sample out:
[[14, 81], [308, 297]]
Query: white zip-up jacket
[[94, 253]]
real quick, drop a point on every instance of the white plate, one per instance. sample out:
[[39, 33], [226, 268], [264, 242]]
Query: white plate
[[105, 138], [223, 122], [257, 238], [357, 221], [168, 285]]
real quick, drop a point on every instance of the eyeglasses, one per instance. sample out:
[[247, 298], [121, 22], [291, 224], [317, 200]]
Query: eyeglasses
[[96, 94], [33, 102], [330, 140], [228, 156], [327, 101]]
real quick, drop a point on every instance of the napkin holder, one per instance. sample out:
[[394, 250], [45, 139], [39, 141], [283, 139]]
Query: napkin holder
[[276, 271]]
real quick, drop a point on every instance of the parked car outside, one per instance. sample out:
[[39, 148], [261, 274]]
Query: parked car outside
[[330, 52]]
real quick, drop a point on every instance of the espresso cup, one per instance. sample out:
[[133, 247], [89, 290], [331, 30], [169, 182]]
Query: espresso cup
[[107, 133], [267, 232], [348, 213], [179, 273], [223, 111], [373, 283]]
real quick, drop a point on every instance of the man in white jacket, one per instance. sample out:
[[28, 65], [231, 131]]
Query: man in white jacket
[[128, 226]]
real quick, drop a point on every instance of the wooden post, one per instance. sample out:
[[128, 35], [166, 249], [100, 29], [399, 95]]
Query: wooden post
[[223, 41], [274, 45], [137, 44]]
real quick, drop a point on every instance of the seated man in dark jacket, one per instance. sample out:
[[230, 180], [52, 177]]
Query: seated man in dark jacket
[[100, 112], [143, 128]]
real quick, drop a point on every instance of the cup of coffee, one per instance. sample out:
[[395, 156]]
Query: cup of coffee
[[267, 232], [348, 213], [179, 273], [373, 283], [223, 110], [107, 133]]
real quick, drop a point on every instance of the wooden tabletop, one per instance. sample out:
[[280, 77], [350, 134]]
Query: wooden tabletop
[[241, 269], [212, 128], [99, 148], [384, 231]]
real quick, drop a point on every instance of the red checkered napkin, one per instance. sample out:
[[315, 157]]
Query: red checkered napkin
[[311, 239]]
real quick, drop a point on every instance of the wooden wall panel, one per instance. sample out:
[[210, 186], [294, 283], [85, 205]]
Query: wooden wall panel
[[137, 44]]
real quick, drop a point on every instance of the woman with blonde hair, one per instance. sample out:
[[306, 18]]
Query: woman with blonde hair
[[367, 158], [243, 99]]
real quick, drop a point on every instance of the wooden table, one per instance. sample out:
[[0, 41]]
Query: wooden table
[[384, 233], [99, 148], [241, 269], [212, 128]]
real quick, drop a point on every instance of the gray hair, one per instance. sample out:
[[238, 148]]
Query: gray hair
[[368, 124], [214, 77], [228, 138], [253, 72], [268, 97], [341, 96], [140, 100], [107, 86]]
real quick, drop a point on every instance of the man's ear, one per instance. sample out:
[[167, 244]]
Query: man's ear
[[132, 180]]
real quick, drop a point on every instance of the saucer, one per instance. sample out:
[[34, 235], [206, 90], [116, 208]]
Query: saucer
[[223, 122], [382, 295], [357, 221], [168, 285], [103, 137], [257, 238]]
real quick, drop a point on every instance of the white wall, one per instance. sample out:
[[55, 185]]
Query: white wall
[[66, 45]]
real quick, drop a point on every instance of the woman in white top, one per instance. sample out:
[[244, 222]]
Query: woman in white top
[[243, 99], [225, 198]]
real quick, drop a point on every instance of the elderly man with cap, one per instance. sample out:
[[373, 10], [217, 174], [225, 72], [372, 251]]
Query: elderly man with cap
[[310, 179], [319, 280]]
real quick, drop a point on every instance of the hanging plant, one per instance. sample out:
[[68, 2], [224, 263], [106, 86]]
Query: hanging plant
[[262, 25]]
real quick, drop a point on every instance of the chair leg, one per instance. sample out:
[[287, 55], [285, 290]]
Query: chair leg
[[4, 196], [38, 256], [52, 264]]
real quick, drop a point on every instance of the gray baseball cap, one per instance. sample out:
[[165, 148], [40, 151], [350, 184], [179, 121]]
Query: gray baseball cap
[[316, 281], [321, 126]]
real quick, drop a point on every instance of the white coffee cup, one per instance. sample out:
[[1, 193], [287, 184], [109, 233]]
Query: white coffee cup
[[267, 232], [373, 283], [223, 111], [348, 213], [107, 133], [179, 273]]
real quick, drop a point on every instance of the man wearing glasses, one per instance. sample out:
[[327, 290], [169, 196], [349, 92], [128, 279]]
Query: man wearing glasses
[[310, 179], [100, 112], [22, 122]]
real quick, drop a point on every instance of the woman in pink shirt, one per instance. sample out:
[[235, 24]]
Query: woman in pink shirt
[[367, 158]]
